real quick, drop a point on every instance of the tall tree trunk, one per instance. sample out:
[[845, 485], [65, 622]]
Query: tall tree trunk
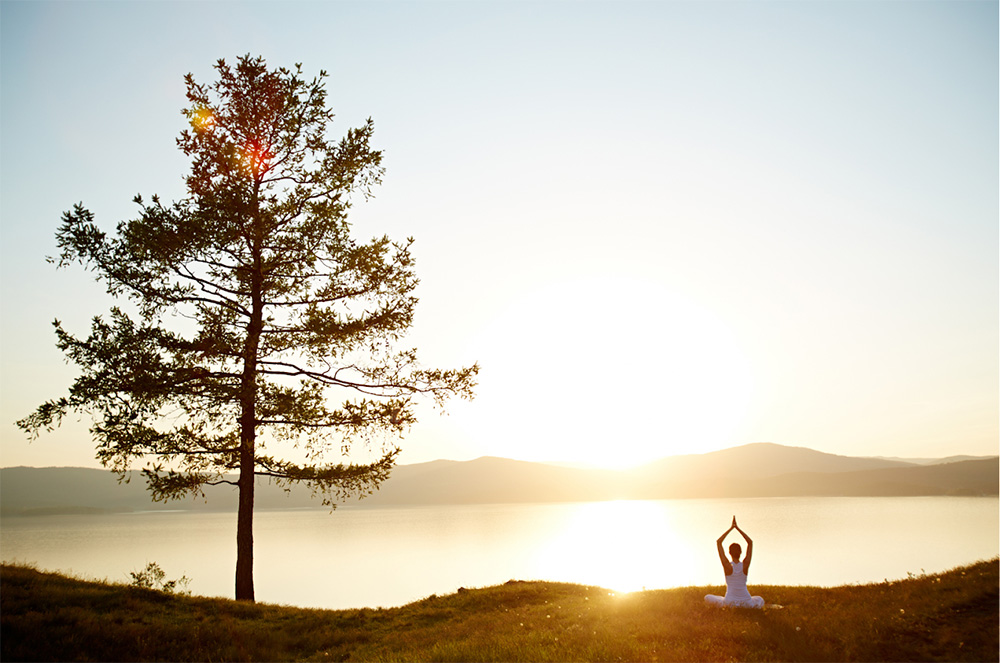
[[248, 433], [244, 525]]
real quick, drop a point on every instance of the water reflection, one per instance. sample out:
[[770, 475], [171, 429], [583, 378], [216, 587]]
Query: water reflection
[[391, 556], [623, 545]]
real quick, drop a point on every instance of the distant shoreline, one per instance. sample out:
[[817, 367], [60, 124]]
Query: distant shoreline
[[362, 506], [755, 470]]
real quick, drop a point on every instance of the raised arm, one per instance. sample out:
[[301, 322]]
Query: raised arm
[[726, 564], [749, 555]]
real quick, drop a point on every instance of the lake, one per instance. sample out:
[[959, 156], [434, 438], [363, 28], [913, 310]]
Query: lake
[[368, 557]]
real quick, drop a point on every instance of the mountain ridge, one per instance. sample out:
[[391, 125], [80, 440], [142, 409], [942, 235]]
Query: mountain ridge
[[753, 470]]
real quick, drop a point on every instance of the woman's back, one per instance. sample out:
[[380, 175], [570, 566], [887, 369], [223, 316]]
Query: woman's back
[[736, 584]]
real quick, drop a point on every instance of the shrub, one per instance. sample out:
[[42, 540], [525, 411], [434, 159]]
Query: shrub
[[153, 577]]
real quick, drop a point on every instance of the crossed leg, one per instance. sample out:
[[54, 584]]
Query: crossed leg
[[720, 602]]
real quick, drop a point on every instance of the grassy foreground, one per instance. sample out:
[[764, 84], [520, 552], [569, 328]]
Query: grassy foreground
[[947, 617]]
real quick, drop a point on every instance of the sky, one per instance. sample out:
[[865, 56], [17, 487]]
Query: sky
[[660, 227]]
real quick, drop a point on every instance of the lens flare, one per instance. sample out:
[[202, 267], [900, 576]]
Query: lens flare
[[203, 119]]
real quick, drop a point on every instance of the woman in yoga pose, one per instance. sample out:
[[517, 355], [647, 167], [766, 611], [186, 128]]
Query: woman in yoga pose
[[736, 574]]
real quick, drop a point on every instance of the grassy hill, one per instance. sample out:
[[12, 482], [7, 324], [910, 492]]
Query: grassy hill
[[951, 616]]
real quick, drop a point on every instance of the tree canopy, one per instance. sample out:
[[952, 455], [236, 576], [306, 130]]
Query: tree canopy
[[255, 320]]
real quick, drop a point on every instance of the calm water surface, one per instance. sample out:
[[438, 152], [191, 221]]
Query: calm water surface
[[357, 557]]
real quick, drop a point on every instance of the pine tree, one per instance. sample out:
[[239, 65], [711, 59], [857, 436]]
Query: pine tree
[[251, 309]]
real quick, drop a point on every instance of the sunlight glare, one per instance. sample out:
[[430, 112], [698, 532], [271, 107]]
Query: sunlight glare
[[610, 372], [615, 544], [203, 119]]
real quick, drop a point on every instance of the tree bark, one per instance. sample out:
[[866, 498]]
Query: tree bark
[[244, 527], [248, 427], [248, 434]]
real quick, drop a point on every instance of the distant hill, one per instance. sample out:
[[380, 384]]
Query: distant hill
[[754, 470], [934, 461], [767, 460]]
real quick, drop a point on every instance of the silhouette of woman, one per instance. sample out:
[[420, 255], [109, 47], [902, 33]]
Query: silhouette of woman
[[737, 594]]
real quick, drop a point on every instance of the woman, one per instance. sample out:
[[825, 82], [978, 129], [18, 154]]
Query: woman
[[736, 574]]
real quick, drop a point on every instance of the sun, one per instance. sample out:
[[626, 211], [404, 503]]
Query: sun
[[610, 372]]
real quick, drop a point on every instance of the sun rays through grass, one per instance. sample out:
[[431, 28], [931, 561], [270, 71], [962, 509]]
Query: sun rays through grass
[[950, 616]]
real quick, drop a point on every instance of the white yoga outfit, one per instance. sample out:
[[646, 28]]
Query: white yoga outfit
[[737, 595]]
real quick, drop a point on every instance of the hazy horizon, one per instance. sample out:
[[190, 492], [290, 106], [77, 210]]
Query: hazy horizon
[[662, 228], [597, 466]]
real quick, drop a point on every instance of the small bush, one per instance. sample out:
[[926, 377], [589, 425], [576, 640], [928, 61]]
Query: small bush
[[153, 577]]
